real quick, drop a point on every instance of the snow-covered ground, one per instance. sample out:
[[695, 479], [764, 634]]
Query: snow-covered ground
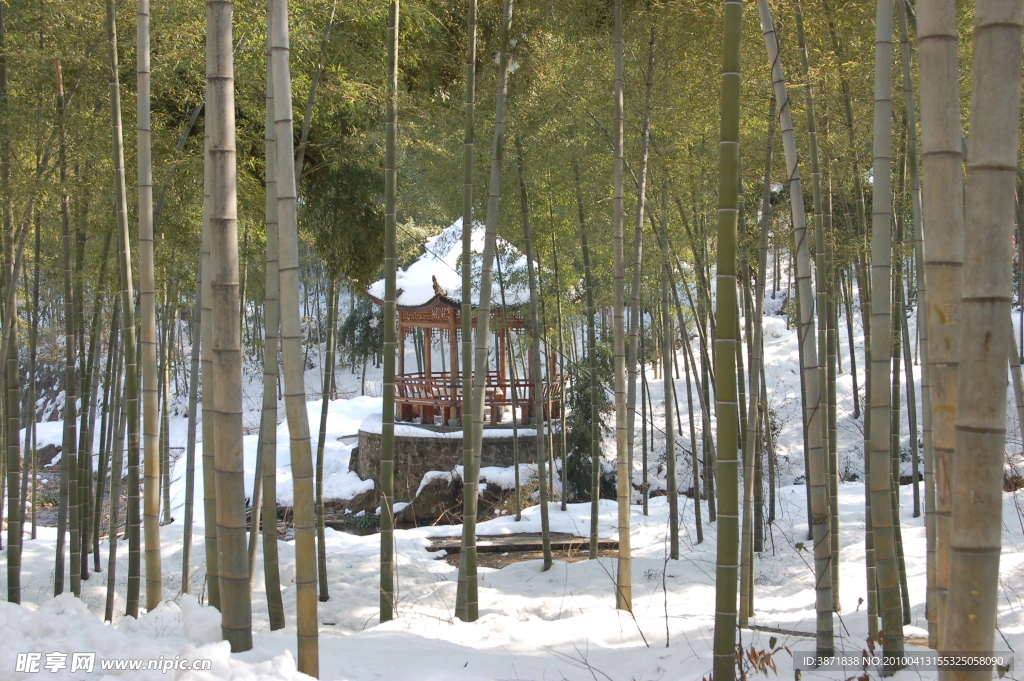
[[560, 624]]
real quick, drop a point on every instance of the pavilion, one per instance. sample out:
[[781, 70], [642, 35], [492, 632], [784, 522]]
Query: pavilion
[[430, 299]]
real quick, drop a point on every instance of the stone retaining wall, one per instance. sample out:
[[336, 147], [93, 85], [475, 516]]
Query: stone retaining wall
[[415, 456]]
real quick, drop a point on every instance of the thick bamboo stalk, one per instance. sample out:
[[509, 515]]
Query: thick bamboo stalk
[[880, 482], [819, 511], [271, 348], [119, 425], [467, 584], [107, 428], [190, 441], [638, 253], [756, 364], [821, 297], [328, 363], [232, 563], [595, 413], [668, 351], [147, 309], [913, 161], [726, 336], [471, 477], [976, 486], [392, 345], [943, 210], [624, 572], [68, 507], [291, 345], [914, 168], [12, 403], [535, 365], [206, 355]]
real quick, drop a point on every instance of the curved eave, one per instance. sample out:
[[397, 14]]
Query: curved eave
[[437, 301]]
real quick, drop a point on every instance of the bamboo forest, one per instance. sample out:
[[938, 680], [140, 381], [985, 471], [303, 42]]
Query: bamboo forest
[[507, 334]]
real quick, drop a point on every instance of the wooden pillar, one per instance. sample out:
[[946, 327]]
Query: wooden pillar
[[502, 363], [453, 348], [427, 359], [401, 346]]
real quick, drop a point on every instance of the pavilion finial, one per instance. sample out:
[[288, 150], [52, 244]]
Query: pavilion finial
[[437, 287]]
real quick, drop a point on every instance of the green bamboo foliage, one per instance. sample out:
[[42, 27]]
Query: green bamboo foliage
[[624, 574], [387, 445], [291, 346], [942, 206], [147, 308], [809, 360], [236, 608], [467, 586], [726, 334], [271, 379], [890, 608], [977, 471], [472, 476]]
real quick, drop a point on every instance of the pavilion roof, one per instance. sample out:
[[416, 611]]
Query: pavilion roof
[[436, 277]]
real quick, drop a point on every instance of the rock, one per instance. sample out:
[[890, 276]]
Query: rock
[[439, 500], [47, 454]]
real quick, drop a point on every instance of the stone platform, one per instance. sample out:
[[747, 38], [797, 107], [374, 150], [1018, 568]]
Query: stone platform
[[420, 449]]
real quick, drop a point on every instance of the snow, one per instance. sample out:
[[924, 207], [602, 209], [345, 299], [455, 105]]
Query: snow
[[373, 423], [560, 624], [442, 258]]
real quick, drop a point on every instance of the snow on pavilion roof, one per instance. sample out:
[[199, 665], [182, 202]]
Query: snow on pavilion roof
[[442, 260]]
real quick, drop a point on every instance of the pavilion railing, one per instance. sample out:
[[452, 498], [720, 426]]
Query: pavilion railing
[[440, 394]]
